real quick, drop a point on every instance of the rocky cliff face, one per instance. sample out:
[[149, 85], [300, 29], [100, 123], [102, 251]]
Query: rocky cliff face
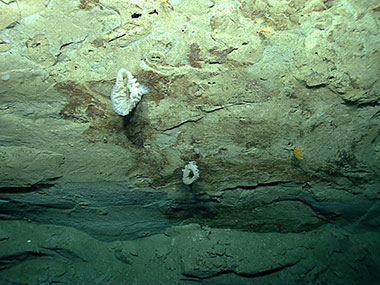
[[237, 86]]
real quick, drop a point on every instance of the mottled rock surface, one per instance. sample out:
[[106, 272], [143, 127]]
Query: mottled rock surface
[[47, 253], [236, 86]]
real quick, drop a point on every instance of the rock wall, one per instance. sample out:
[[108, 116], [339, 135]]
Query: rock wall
[[277, 102], [240, 83]]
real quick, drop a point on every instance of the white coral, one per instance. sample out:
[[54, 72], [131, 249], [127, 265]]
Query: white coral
[[123, 100], [190, 173]]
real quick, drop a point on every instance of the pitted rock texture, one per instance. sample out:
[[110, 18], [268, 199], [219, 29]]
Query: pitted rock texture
[[240, 97], [234, 86], [214, 257]]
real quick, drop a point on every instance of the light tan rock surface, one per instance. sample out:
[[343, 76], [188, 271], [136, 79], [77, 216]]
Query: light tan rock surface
[[242, 98], [234, 86]]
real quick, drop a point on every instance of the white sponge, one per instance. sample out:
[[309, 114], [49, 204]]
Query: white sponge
[[126, 92], [190, 173]]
